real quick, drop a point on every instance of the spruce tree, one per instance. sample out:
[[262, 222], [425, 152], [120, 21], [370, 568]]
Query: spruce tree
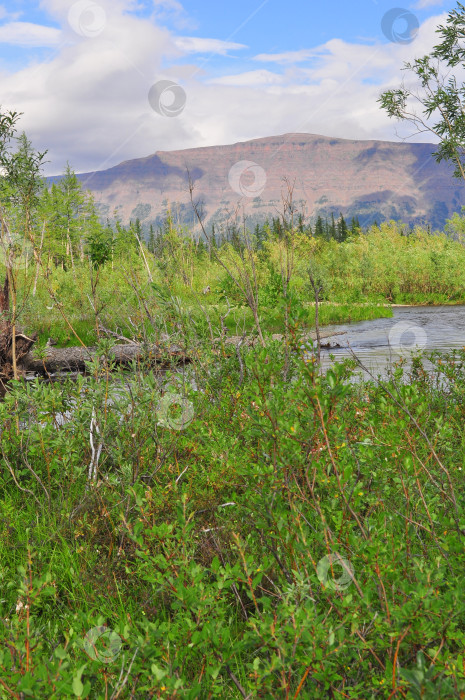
[[342, 230], [151, 243], [71, 208], [332, 233], [319, 228], [355, 227]]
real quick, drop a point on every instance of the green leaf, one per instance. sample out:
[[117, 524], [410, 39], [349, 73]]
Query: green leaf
[[412, 676], [158, 672], [78, 687], [214, 672]]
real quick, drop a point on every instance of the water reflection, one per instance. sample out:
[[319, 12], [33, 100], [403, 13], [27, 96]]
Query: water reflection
[[382, 342]]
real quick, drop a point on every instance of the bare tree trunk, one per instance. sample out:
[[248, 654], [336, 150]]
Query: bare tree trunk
[[4, 322], [38, 262], [287, 265], [316, 290], [70, 246], [143, 257], [13, 329], [8, 337]]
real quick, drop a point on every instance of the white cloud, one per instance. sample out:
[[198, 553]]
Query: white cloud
[[286, 57], [249, 78], [192, 44], [169, 4], [89, 102], [27, 34], [173, 12], [421, 4], [7, 14]]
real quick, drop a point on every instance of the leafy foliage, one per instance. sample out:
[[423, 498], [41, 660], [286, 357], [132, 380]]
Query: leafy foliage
[[439, 91], [200, 549]]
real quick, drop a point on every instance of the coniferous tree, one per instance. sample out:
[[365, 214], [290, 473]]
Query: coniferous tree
[[355, 227], [151, 242], [342, 230], [261, 235], [69, 214], [266, 230], [332, 233], [214, 241], [277, 227], [319, 228], [138, 229]]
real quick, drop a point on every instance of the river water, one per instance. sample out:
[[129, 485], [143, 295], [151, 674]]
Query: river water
[[380, 343]]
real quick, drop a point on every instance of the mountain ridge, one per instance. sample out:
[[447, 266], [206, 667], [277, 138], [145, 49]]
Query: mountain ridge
[[371, 179]]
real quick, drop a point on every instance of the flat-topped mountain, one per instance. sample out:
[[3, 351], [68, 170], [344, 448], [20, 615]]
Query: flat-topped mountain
[[369, 179]]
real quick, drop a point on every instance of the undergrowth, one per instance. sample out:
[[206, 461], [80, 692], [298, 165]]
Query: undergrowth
[[277, 534]]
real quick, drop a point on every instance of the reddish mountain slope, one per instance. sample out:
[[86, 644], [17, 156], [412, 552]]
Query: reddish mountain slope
[[369, 179]]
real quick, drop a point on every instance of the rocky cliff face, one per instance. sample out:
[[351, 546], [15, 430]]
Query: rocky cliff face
[[369, 179]]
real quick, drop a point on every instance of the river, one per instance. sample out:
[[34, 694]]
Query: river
[[383, 341]]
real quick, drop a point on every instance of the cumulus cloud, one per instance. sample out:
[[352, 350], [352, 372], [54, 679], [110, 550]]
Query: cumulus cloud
[[88, 103], [28, 34]]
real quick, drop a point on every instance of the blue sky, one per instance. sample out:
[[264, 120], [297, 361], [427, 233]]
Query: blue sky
[[81, 71], [262, 26]]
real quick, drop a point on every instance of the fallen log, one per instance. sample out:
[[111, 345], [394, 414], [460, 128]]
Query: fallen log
[[76, 359]]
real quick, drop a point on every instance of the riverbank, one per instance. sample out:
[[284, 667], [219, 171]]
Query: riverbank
[[378, 343], [238, 316], [237, 320]]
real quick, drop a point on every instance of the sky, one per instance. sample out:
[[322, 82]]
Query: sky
[[100, 82]]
